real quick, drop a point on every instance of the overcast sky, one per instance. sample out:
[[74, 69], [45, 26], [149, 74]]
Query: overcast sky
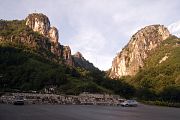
[[99, 29]]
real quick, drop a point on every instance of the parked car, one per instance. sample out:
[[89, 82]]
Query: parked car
[[18, 100], [127, 103]]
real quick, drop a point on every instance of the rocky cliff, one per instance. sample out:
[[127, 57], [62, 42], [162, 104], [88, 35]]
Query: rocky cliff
[[41, 24], [31, 58], [17, 33], [37, 34], [132, 56]]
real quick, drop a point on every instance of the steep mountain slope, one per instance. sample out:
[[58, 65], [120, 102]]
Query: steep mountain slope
[[131, 58], [163, 65], [31, 58], [36, 33], [160, 77], [151, 63], [80, 61], [41, 24]]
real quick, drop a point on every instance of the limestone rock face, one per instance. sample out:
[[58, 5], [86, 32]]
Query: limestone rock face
[[45, 43], [39, 23], [53, 35], [67, 55], [56, 49], [132, 56], [25, 37]]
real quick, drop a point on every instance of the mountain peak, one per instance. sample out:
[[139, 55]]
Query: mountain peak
[[38, 22], [150, 30], [80, 61], [132, 57], [78, 55]]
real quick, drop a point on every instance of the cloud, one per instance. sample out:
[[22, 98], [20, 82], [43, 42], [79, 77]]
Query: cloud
[[90, 39], [174, 28], [91, 43]]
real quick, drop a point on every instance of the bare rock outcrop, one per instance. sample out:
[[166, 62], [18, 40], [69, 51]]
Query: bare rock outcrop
[[67, 55], [53, 35], [131, 58], [44, 40], [40, 23]]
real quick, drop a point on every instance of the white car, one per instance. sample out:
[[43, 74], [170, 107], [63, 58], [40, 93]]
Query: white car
[[127, 103]]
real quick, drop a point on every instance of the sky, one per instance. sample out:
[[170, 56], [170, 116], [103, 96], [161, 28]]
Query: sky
[[99, 29]]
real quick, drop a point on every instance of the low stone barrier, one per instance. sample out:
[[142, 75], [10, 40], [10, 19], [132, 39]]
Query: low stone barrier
[[82, 99]]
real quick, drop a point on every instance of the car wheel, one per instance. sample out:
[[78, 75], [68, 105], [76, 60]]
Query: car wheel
[[126, 105]]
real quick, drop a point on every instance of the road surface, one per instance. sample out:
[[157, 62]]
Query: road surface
[[77, 112]]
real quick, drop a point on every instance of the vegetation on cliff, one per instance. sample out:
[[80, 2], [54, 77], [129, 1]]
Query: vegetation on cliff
[[24, 68], [160, 78], [27, 63]]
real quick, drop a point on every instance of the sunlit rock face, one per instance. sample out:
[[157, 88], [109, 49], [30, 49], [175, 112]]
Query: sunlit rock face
[[53, 35], [132, 56], [40, 23], [67, 55]]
